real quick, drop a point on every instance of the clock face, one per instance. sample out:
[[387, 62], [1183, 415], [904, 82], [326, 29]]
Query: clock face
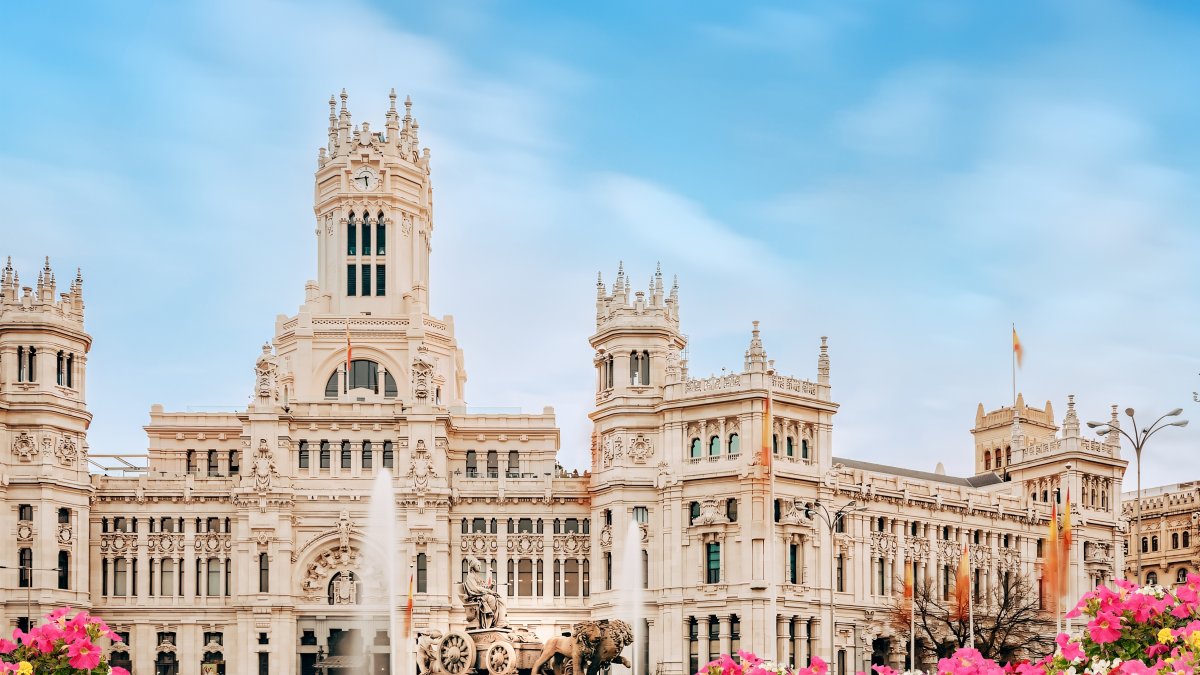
[[365, 179]]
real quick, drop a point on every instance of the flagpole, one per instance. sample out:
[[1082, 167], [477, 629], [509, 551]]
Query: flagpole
[[912, 626], [971, 616]]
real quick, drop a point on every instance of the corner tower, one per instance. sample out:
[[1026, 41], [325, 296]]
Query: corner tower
[[374, 208]]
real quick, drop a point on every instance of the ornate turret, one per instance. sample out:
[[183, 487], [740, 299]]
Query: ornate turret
[[823, 362], [756, 356]]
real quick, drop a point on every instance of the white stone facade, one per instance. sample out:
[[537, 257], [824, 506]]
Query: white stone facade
[[245, 534]]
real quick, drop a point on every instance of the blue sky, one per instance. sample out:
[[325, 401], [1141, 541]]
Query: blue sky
[[906, 178]]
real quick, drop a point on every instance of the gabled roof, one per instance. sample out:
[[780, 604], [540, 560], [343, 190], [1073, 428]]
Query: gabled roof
[[980, 480]]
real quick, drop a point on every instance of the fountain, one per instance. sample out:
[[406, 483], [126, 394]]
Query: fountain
[[630, 590], [381, 558]]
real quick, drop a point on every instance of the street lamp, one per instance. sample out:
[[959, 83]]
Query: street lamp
[[1138, 439], [832, 520], [28, 587]]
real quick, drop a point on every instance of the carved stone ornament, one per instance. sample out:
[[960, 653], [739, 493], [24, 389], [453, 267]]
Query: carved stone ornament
[[918, 548], [344, 527], [710, 513], [422, 374], [606, 536], [420, 470], [1010, 559], [314, 586], [572, 543], [64, 533], [266, 374], [264, 468], [525, 543], [883, 544], [794, 514], [478, 543], [66, 450], [24, 532], [640, 449], [24, 447], [610, 452]]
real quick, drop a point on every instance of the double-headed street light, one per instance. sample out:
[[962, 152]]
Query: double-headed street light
[[832, 521], [1138, 439]]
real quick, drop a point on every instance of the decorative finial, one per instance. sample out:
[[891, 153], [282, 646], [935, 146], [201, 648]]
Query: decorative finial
[[332, 107], [658, 269], [754, 331], [392, 98], [344, 97]]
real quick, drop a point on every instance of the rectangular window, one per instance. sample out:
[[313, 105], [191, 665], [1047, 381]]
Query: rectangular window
[[608, 571], [264, 663], [422, 573], [641, 514], [351, 239], [945, 582], [713, 566], [324, 455], [214, 576], [64, 570], [264, 573], [880, 576], [366, 280], [303, 454], [120, 576], [380, 238], [346, 462], [366, 455], [793, 560], [25, 563], [525, 577], [234, 466], [388, 455], [366, 237], [841, 573], [104, 577], [571, 577], [25, 512], [351, 279], [557, 578], [380, 279]]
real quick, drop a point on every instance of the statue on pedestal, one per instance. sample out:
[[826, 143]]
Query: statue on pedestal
[[482, 596]]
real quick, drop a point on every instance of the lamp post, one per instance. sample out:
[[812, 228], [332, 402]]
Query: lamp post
[[28, 588], [1138, 439], [832, 520]]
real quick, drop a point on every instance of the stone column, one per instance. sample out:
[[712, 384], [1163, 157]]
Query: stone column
[[818, 644], [800, 647], [702, 623], [781, 639], [725, 635]]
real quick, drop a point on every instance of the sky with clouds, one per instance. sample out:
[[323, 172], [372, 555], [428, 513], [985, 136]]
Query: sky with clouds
[[906, 178]]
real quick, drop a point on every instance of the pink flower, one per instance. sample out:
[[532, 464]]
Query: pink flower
[[1156, 649], [1133, 667], [84, 655], [819, 667], [7, 647], [884, 670], [749, 658], [1106, 627], [1031, 669], [117, 670], [1070, 650]]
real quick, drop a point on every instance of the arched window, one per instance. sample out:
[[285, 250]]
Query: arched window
[[366, 233], [351, 234], [987, 460], [804, 448], [1145, 545], [791, 447], [1187, 540], [32, 364], [775, 443], [1104, 500], [1181, 575], [695, 448], [21, 375], [1151, 578], [389, 457], [635, 368], [380, 234], [645, 369], [714, 446], [472, 464], [693, 512], [1007, 456], [364, 374], [389, 383], [609, 360], [735, 444], [1174, 540], [999, 459], [64, 570], [1093, 498], [165, 663], [1154, 543], [60, 367]]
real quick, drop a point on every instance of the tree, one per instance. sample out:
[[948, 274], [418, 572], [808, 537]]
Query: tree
[[1010, 623]]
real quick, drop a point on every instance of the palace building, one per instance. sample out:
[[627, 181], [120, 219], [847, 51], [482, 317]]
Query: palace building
[[240, 544]]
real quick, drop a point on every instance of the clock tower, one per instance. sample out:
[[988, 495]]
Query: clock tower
[[373, 204]]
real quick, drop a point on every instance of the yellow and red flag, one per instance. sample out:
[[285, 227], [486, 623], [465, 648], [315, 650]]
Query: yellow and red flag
[[1064, 556], [1050, 571], [1018, 350], [408, 609], [962, 585], [908, 582], [349, 349]]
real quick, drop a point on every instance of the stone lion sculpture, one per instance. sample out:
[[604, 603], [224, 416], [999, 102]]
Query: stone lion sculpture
[[591, 646]]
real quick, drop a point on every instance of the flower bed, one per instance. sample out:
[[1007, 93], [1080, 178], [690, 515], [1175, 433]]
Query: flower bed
[[61, 645], [1130, 630]]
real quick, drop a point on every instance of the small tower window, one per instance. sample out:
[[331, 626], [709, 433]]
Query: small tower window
[[987, 460], [20, 364], [366, 280], [695, 448], [609, 383], [351, 236], [389, 457], [735, 444], [714, 446], [804, 448], [366, 234], [351, 279], [367, 459], [32, 371], [791, 447], [380, 280], [71, 370], [60, 368], [380, 235], [472, 465], [645, 368]]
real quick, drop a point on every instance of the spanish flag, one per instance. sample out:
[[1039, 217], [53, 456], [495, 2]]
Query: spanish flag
[[962, 586], [1064, 556], [1018, 350], [349, 349], [1050, 571], [908, 586], [408, 609]]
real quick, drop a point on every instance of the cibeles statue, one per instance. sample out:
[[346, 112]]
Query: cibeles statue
[[481, 596]]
